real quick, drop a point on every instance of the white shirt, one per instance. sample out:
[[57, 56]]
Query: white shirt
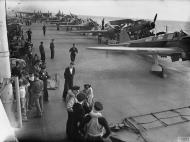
[[71, 70]]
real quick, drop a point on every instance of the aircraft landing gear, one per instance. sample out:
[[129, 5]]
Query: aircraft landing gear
[[157, 68]]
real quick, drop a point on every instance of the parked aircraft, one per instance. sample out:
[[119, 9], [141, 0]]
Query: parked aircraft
[[136, 29], [109, 31], [175, 45], [87, 25]]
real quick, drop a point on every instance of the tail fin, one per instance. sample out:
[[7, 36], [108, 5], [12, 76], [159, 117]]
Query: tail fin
[[124, 36]]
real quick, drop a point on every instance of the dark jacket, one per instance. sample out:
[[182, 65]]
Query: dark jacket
[[78, 112], [68, 78], [52, 46], [73, 50], [67, 74], [41, 48], [78, 115]]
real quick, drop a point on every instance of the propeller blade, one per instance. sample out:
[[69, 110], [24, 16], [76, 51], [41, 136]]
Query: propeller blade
[[155, 18]]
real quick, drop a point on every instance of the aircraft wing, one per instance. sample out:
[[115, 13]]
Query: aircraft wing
[[73, 26], [120, 44], [90, 31], [121, 21], [140, 50]]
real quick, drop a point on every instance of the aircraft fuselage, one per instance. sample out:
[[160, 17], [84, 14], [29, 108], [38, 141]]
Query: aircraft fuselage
[[176, 39]]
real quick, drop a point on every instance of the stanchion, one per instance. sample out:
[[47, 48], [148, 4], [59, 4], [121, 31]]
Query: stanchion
[[17, 93]]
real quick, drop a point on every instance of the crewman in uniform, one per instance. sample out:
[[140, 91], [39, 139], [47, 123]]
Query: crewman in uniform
[[97, 129], [42, 51], [70, 101], [44, 29], [78, 115], [29, 34], [69, 76], [73, 50], [52, 49], [44, 77]]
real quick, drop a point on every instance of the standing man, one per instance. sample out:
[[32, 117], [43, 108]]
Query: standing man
[[44, 77], [42, 52], [29, 34], [69, 76], [73, 51], [97, 129], [52, 48], [70, 101], [37, 92], [44, 29], [78, 115], [89, 98], [30, 98]]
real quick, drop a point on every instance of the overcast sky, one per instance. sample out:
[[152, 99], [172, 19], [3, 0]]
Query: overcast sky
[[167, 9]]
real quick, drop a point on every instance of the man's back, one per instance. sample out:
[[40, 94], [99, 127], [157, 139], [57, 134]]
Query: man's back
[[37, 87]]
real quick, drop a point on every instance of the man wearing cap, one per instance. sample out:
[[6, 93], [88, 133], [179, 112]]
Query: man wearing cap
[[52, 48], [73, 51], [78, 115], [69, 76], [95, 124], [70, 101], [44, 77], [42, 51]]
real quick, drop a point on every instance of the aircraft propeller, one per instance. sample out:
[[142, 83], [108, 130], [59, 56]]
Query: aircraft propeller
[[155, 18], [153, 23]]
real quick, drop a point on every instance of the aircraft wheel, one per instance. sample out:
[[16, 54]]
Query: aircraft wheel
[[158, 70]]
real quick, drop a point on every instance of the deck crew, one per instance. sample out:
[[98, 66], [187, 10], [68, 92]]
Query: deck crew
[[69, 76], [52, 49], [42, 51], [44, 29], [70, 101], [73, 50], [95, 125], [78, 115], [44, 77], [29, 34], [37, 92]]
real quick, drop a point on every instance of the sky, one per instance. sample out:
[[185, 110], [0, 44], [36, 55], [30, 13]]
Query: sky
[[178, 10]]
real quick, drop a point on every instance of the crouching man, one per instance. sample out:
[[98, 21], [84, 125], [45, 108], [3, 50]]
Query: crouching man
[[94, 126]]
